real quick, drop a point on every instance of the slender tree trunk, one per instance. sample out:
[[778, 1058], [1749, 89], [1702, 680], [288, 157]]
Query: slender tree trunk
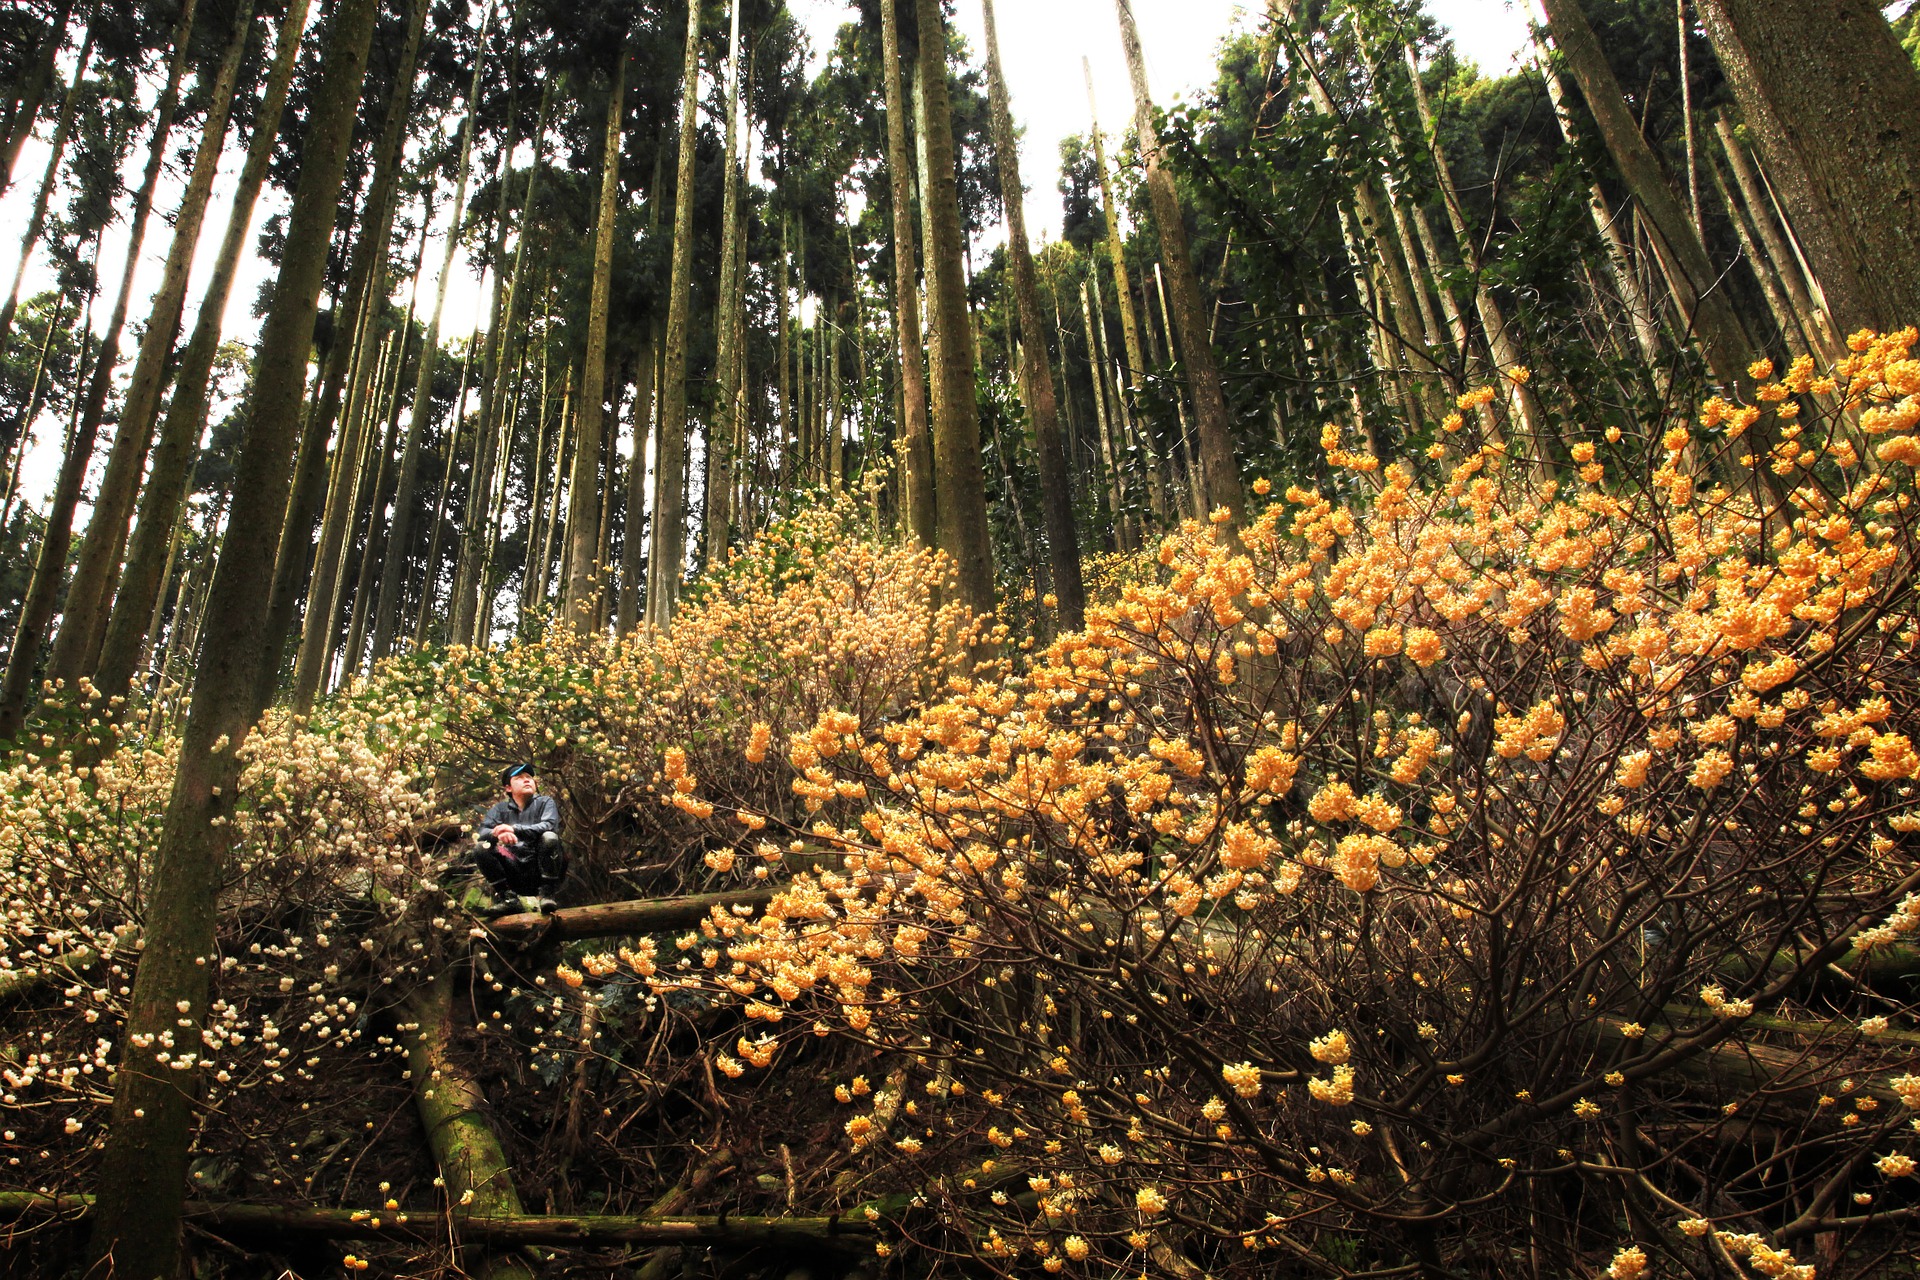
[[32, 93], [1763, 272], [1056, 483], [431, 586], [1626, 280], [97, 571], [1219, 473], [718, 523], [37, 220], [584, 502], [1501, 343], [393, 572], [633, 549], [36, 611], [143, 1167], [1116, 496], [540, 592], [1159, 472], [958, 477], [783, 355], [1706, 308], [668, 550], [916, 438], [314, 493], [1815, 323]]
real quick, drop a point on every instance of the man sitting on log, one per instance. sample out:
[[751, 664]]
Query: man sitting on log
[[517, 846]]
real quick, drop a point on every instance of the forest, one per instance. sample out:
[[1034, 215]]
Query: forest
[[1345, 714]]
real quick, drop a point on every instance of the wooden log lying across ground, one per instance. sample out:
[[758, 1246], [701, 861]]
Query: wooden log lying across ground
[[502, 1231], [614, 919]]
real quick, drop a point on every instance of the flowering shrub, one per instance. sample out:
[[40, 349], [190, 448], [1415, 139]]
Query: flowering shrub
[[1408, 881], [812, 617]]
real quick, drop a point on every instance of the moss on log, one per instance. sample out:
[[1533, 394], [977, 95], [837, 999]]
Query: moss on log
[[498, 1231], [614, 919], [472, 1164]]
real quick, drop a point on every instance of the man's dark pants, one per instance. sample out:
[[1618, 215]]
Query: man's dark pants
[[523, 867]]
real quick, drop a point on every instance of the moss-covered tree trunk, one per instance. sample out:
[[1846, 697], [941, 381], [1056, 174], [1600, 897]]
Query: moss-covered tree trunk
[[142, 1173], [959, 477]]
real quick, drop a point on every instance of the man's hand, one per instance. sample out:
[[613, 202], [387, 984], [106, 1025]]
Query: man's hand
[[504, 834]]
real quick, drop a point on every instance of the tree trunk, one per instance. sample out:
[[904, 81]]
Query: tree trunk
[[916, 453], [431, 586], [718, 523], [633, 550], [141, 583], [1816, 325], [1219, 472], [1056, 482], [1834, 104], [143, 1167], [1705, 307], [473, 1167], [37, 220], [668, 550], [1626, 280], [783, 356], [33, 93], [958, 476], [585, 499], [393, 572], [97, 570], [50, 566], [312, 487]]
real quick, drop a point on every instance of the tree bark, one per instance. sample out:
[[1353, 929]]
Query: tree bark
[[633, 557], [959, 478], [718, 523], [581, 600], [473, 1167], [916, 437], [1695, 284], [1834, 103], [143, 1166], [1056, 482], [50, 565], [1814, 321], [1219, 472], [499, 1231], [668, 549], [393, 572], [37, 220], [76, 648], [32, 93], [313, 489]]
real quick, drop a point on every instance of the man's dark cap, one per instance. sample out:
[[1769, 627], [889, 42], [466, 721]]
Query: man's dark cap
[[513, 771]]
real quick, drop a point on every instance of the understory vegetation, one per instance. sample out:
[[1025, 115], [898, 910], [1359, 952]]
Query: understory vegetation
[[1448, 865]]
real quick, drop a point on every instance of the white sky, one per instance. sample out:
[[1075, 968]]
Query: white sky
[[1042, 45]]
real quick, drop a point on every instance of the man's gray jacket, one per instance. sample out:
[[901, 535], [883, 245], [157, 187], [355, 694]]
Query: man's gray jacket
[[539, 817]]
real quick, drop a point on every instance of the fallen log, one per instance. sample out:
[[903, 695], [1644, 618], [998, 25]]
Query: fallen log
[[614, 919], [473, 1166], [497, 1231]]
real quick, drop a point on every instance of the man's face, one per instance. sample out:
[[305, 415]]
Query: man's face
[[521, 787]]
